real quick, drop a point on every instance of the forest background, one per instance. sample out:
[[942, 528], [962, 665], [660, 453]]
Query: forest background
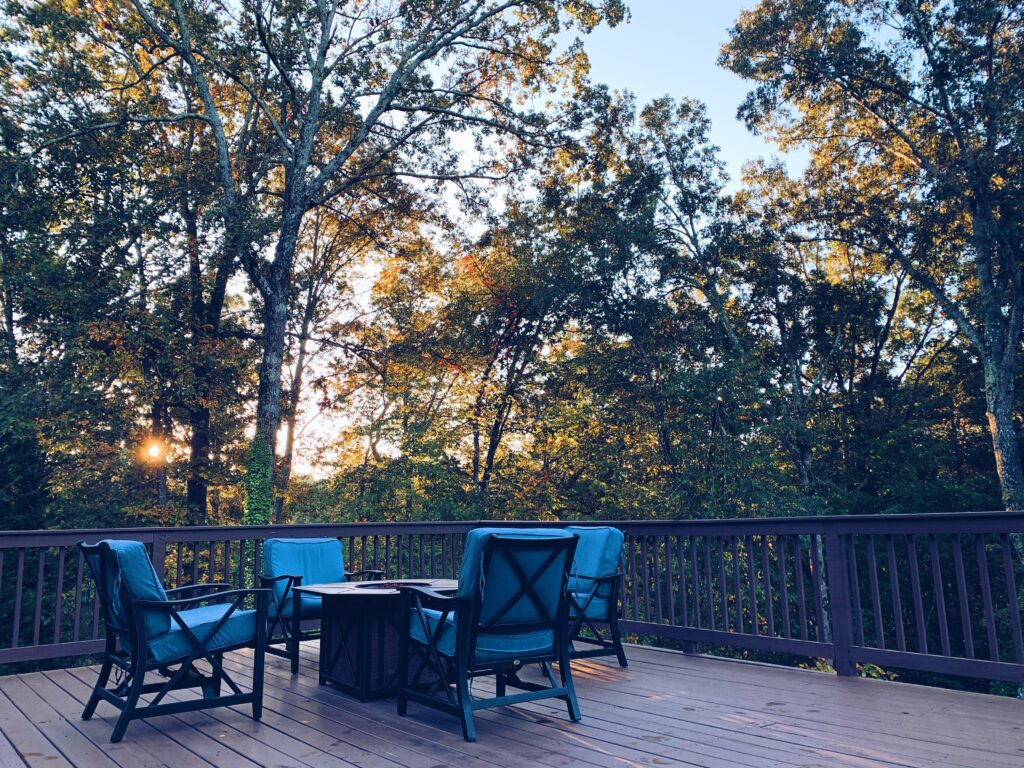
[[341, 260]]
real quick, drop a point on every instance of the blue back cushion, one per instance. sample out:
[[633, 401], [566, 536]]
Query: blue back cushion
[[497, 581], [598, 553], [131, 571], [317, 561]]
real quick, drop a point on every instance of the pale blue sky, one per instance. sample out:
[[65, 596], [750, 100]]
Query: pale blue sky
[[670, 47]]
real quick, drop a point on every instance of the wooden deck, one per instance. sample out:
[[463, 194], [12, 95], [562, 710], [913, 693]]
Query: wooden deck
[[666, 709]]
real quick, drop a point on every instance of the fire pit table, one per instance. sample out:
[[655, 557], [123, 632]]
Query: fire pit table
[[359, 633]]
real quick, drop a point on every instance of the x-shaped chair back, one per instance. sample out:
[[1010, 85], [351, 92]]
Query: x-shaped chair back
[[522, 585]]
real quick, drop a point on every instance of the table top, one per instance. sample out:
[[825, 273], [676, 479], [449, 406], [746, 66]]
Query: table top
[[379, 588]]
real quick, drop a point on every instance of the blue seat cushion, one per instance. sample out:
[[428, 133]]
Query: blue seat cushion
[[598, 553], [489, 648], [309, 607], [317, 561], [597, 609], [132, 572], [239, 628]]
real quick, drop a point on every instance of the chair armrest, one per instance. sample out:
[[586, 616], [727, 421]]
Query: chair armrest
[[193, 587], [265, 580], [363, 573], [431, 595], [606, 577], [175, 605]]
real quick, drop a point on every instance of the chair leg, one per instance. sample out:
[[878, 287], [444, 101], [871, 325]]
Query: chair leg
[[130, 702], [101, 683], [258, 664], [617, 640], [293, 643], [211, 687], [499, 684], [403, 667], [565, 673], [466, 705]]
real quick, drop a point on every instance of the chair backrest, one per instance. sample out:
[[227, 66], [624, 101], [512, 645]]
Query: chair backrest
[[598, 553], [516, 578], [122, 570], [317, 561]]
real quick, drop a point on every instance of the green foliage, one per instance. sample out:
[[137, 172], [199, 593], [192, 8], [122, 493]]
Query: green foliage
[[609, 333], [259, 490]]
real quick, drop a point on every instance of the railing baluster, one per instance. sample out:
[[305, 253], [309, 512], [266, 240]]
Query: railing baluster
[[657, 580], [227, 561], [1013, 599], [723, 585], [633, 578], [737, 592], [257, 560], [894, 591], [58, 601], [37, 618], [915, 587], [78, 596], [95, 613], [986, 596], [241, 564], [681, 581], [767, 575], [961, 591], [708, 582], [876, 597], [644, 558], [817, 581], [858, 615], [695, 581], [683, 603], [801, 595], [177, 569], [780, 553], [19, 580], [940, 597], [752, 585]]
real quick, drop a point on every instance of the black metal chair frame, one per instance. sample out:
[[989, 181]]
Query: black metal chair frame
[[604, 646], [455, 673], [135, 664], [290, 627]]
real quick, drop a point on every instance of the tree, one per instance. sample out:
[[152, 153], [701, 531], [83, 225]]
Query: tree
[[351, 91], [917, 110]]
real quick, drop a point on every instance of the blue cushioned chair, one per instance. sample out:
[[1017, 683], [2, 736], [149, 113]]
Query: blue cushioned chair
[[290, 563], [511, 609], [167, 632], [595, 583]]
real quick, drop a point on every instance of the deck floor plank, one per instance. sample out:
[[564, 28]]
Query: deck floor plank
[[665, 709]]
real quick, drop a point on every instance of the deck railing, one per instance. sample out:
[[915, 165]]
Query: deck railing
[[934, 592]]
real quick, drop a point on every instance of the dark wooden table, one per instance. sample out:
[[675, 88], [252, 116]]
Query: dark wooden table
[[359, 633]]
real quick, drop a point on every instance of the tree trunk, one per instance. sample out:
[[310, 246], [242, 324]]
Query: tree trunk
[[275, 323], [999, 410], [285, 468], [198, 464]]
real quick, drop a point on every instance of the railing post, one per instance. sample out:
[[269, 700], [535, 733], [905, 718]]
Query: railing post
[[159, 556], [835, 562]]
